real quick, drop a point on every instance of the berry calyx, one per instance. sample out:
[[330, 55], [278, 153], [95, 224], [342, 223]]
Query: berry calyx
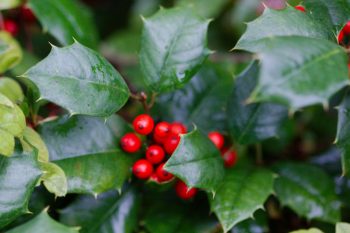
[[178, 128], [11, 27], [300, 8], [217, 139], [162, 130], [171, 143], [155, 154], [143, 124], [184, 192], [230, 157], [130, 143], [142, 169], [162, 174]]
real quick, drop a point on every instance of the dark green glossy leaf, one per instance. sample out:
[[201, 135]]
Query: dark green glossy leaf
[[18, 176], [257, 225], [43, 223], [286, 22], [242, 192], [307, 190], [11, 89], [10, 52], [66, 20], [173, 46], [197, 162], [96, 173], [81, 135], [342, 227], [250, 123], [299, 71], [109, 213], [201, 102], [80, 80], [9, 4]]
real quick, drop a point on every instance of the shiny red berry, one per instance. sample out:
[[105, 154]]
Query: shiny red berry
[[217, 139], [178, 128], [340, 37], [171, 143], [346, 28], [28, 14], [162, 130], [162, 174], [11, 27], [300, 8], [155, 154], [130, 143], [143, 124], [184, 192], [142, 169], [230, 157]]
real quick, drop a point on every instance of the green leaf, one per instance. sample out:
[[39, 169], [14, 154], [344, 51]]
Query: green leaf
[[233, 201], [251, 123], [311, 230], [12, 124], [11, 89], [286, 22], [80, 80], [10, 52], [259, 224], [66, 20], [343, 133], [96, 173], [18, 176], [69, 137], [342, 227], [32, 140], [43, 223], [108, 213], [308, 190], [9, 4], [201, 102], [201, 8], [54, 179], [173, 46], [197, 162], [299, 71]]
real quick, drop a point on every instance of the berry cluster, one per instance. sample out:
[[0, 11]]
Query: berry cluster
[[11, 24], [164, 139]]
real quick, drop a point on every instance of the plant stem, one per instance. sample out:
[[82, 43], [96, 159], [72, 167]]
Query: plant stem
[[2, 26], [259, 154], [142, 97]]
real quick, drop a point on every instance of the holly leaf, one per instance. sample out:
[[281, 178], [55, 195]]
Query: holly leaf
[[65, 20], [285, 22], [251, 123], [31, 140], [299, 71], [43, 223], [201, 102], [9, 4], [54, 179], [307, 190], [12, 124], [80, 80], [342, 227], [11, 89], [197, 162], [107, 213], [173, 46], [233, 203], [311, 230], [18, 176], [10, 52]]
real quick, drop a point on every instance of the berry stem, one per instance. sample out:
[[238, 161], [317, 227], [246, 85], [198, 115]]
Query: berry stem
[[142, 97]]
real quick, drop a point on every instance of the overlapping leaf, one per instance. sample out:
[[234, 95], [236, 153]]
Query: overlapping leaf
[[10, 52], [173, 46], [9, 4], [342, 227], [11, 89], [197, 162], [80, 80]]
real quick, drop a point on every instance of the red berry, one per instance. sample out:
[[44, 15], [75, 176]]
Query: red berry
[[184, 192], [11, 27], [171, 143], [340, 37], [161, 130], [155, 154], [217, 139], [28, 14], [130, 143], [162, 174], [142, 169], [300, 8], [346, 28], [177, 128], [230, 157], [143, 124]]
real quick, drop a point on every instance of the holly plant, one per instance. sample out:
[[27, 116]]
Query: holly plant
[[174, 116]]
